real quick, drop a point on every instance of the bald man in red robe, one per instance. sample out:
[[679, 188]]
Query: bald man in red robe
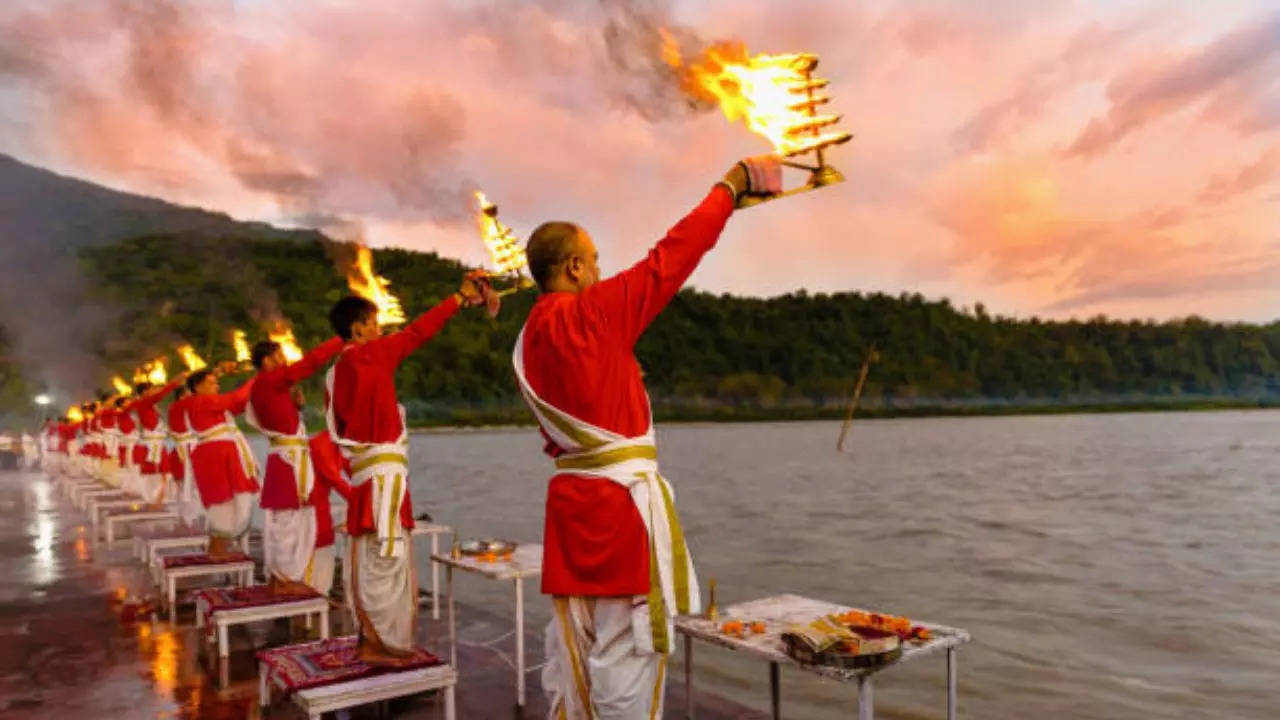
[[615, 559]]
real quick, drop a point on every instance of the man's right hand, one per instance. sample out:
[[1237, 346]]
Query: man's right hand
[[757, 175]]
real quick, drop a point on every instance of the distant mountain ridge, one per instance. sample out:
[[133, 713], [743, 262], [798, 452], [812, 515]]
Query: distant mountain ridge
[[61, 212]]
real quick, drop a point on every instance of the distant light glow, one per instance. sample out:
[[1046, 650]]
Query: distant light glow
[[43, 399]]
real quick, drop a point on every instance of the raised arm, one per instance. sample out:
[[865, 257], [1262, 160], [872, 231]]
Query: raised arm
[[155, 395], [233, 401], [630, 300], [392, 349], [313, 360]]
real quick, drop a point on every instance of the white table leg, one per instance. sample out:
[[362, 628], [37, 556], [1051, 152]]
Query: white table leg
[[111, 531], [172, 586], [306, 619], [519, 642], [453, 643], [223, 649], [866, 698], [264, 687], [435, 577], [688, 677], [324, 624], [448, 703], [952, 669]]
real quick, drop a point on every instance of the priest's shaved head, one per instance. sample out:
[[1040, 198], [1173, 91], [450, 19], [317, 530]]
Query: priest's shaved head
[[562, 258]]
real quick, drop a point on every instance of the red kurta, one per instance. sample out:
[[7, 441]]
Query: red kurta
[[67, 433], [176, 417], [219, 472], [149, 421], [127, 426], [273, 407], [330, 466], [579, 356], [365, 409]]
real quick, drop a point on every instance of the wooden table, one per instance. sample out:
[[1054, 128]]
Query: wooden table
[[223, 619], [338, 696], [782, 610], [112, 521], [525, 562], [169, 577], [435, 531]]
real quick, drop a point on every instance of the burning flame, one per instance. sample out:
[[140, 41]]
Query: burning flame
[[74, 414], [363, 282], [156, 373], [774, 95], [284, 336], [140, 375], [241, 345], [504, 249], [122, 387], [192, 360]]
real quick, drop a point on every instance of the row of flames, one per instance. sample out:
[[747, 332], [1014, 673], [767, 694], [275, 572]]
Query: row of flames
[[775, 96]]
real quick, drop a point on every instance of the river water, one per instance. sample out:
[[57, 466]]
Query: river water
[[1107, 566]]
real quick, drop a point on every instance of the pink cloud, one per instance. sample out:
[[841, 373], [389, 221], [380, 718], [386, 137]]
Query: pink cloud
[[391, 113], [1240, 66]]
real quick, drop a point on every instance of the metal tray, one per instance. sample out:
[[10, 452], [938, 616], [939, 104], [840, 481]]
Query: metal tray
[[487, 546]]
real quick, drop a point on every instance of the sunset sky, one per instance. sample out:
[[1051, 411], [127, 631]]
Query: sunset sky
[[1050, 158]]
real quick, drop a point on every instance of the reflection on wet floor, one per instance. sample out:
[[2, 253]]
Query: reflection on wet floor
[[80, 638]]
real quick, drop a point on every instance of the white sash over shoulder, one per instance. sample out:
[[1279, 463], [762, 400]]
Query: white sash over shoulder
[[227, 431], [633, 463], [293, 450], [385, 466]]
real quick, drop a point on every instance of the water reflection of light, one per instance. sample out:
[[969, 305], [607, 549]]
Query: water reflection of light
[[44, 570], [82, 550], [164, 663]]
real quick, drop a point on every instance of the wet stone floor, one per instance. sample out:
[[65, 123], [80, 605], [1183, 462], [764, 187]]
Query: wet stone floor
[[79, 637]]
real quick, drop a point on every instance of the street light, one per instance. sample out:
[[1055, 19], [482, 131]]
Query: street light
[[43, 399]]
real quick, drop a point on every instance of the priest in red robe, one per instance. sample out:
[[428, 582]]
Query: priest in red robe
[[367, 422], [289, 477], [222, 465], [148, 450], [177, 460], [615, 559]]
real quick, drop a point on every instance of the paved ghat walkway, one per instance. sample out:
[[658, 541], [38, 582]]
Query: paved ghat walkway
[[73, 643]]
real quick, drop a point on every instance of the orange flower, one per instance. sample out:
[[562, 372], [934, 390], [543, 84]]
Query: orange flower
[[757, 626]]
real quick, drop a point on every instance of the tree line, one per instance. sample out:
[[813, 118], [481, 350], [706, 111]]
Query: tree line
[[708, 356]]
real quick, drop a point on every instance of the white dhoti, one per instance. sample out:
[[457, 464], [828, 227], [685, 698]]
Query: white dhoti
[[594, 669], [321, 575], [288, 542], [230, 519], [382, 592]]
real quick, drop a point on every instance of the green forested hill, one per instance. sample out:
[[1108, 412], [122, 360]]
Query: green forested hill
[[707, 356]]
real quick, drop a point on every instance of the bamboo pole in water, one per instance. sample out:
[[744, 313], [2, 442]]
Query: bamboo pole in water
[[857, 394]]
